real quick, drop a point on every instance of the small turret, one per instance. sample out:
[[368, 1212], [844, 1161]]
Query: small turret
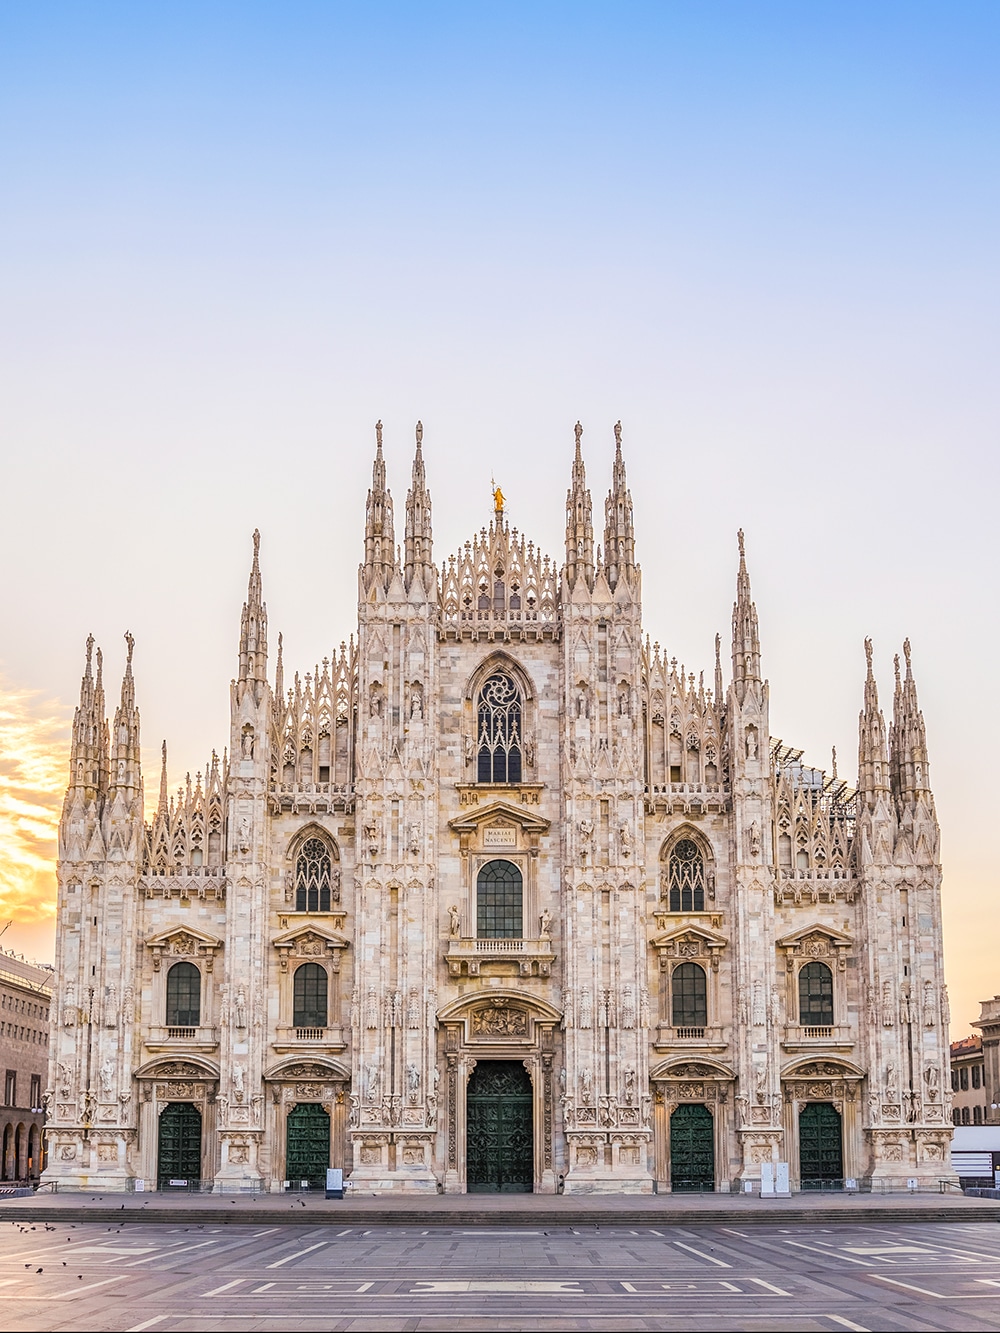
[[418, 558], [380, 548], [746, 638], [579, 524], [88, 770], [873, 756], [909, 774], [619, 531], [126, 764]]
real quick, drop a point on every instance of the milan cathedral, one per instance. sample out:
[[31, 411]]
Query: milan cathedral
[[499, 897]]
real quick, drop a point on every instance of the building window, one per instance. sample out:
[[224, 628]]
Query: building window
[[499, 730], [689, 996], [816, 996], [183, 996], [977, 1081], [965, 1115], [499, 902], [309, 1008], [977, 1115], [313, 869], [956, 1116], [36, 1091], [963, 1079], [686, 877], [954, 1080], [10, 1088]]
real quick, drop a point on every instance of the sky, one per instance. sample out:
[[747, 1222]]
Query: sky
[[762, 235]]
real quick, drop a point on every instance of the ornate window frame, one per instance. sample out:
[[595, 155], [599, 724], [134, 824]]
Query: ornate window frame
[[687, 833], [816, 942], [495, 663], [295, 846]]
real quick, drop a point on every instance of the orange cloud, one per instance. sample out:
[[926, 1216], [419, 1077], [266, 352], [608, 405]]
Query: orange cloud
[[34, 750]]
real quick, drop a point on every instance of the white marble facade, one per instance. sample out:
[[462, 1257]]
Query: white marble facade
[[500, 826]]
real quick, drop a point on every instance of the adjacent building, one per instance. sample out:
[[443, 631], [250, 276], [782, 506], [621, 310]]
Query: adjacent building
[[500, 896], [25, 1001]]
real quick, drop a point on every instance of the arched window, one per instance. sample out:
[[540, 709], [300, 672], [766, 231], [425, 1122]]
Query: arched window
[[816, 996], [499, 730], [499, 902], [183, 996], [686, 877], [689, 996], [309, 997], [312, 877]]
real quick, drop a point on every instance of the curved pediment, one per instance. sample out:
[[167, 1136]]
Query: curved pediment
[[823, 1067], [315, 1067], [497, 999], [683, 1066], [190, 1067]]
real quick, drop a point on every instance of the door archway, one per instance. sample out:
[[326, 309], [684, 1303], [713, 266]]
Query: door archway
[[821, 1146], [179, 1147], [307, 1152], [692, 1149], [500, 1129]]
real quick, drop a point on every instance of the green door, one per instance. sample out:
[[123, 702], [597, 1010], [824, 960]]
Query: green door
[[692, 1150], [500, 1138], [308, 1152], [821, 1154], [180, 1146]]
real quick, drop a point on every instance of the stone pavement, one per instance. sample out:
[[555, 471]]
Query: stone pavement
[[360, 1209], [179, 1278]]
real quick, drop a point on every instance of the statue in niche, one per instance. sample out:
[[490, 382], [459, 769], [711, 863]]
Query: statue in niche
[[629, 1086], [891, 1087], [107, 1072], [625, 839], [412, 1083], [416, 704], [413, 841], [545, 924], [241, 1007], [455, 921], [246, 743], [754, 839], [751, 743], [238, 1074], [586, 1086], [243, 841], [372, 1076]]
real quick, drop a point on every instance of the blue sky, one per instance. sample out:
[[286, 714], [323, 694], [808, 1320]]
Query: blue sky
[[762, 235]]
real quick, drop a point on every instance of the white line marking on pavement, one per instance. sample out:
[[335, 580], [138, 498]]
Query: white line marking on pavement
[[228, 1286], [9, 1281], [744, 1234], [769, 1286], [298, 1254], [481, 1232], [137, 1328], [938, 1296], [700, 1255], [76, 1291], [628, 1287], [988, 1281], [364, 1287], [552, 1288], [267, 1232], [846, 1323], [829, 1254], [657, 1233], [339, 1233]]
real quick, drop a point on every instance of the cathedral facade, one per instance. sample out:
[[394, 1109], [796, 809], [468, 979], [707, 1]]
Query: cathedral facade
[[499, 898]]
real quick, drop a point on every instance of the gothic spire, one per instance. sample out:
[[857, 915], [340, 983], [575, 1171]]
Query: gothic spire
[[873, 757], [719, 696], [619, 533], [380, 548], [908, 740], [126, 764], [746, 640], [418, 521], [579, 523], [88, 775], [161, 807], [253, 625]]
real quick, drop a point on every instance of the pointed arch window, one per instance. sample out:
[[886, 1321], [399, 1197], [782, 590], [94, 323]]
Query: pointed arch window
[[313, 876], [499, 726], [686, 877]]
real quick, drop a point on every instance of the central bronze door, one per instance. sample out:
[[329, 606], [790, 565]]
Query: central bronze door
[[499, 1135]]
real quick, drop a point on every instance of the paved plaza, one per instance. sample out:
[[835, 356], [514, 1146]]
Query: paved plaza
[[105, 1275]]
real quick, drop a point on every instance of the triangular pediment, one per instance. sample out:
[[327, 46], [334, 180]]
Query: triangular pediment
[[183, 937], [692, 932], [798, 938], [498, 814], [310, 934]]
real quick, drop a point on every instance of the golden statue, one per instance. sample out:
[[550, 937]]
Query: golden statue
[[497, 499]]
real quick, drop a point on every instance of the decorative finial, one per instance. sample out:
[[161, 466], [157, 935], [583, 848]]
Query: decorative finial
[[378, 435], [131, 644], [868, 654], [420, 433], [90, 650], [739, 538], [718, 650], [618, 435], [100, 665], [498, 500], [895, 664], [578, 432], [906, 654], [834, 762], [256, 543]]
